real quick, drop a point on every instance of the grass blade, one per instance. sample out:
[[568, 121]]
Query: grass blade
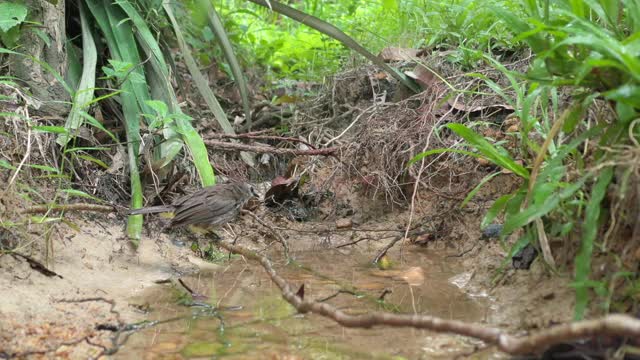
[[201, 82], [221, 35], [589, 232]]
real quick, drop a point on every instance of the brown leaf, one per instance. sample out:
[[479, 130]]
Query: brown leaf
[[398, 54], [343, 223], [414, 276], [423, 76]]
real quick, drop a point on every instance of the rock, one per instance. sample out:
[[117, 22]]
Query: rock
[[343, 223], [491, 231]]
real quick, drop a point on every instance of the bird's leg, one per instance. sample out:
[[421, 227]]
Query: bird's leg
[[231, 233]]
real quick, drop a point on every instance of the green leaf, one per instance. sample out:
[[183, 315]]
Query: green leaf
[[84, 93], [79, 193], [628, 94], [5, 164], [84, 148], [42, 35], [439, 151], [589, 233], [44, 219], [475, 190], [498, 156], [44, 168], [196, 145], [11, 14], [95, 123], [221, 35], [495, 210], [93, 160], [537, 210], [51, 129], [159, 107]]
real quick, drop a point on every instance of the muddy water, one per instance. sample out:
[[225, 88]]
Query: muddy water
[[253, 321]]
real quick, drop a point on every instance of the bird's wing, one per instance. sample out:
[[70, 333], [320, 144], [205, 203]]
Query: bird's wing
[[203, 210]]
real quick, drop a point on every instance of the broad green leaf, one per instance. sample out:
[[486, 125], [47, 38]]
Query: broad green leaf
[[159, 107], [537, 210], [84, 93], [11, 14], [124, 49], [497, 156], [628, 94]]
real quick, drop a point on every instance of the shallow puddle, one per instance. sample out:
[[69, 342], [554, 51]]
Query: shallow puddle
[[253, 321]]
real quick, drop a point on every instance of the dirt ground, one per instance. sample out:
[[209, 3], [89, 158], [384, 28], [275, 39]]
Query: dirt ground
[[99, 273]]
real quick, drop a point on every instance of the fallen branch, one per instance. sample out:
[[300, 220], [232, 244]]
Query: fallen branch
[[42, 209], [257, 137], [222, 145], [611, 325]]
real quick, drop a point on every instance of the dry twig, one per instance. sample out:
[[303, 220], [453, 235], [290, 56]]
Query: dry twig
[[42, 209], [278, 237], [222, 145]]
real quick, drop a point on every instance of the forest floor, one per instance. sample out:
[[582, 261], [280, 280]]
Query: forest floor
[[101, 296], [103, 281]]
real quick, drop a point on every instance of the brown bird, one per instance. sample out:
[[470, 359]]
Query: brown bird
[[209, 206]]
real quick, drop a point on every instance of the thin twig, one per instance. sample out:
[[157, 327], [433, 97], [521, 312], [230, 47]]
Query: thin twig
[[24, 158], [222, 145], [257, 137], [277, 235]]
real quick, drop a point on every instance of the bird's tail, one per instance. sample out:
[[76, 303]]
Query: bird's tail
[[152, 210]]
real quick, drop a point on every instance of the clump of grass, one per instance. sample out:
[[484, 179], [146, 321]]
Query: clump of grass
[[574, 180]]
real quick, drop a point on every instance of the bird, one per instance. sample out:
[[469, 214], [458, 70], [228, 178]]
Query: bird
[[209, 206]]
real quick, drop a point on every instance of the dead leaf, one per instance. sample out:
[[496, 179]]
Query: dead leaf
[[398, 54], [414, 276], [424, 76], [281, 189], [343, 223], [505, 171], [478, 108]]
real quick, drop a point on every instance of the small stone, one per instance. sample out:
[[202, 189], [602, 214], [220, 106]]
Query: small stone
[[343, 223], [492, 231]]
